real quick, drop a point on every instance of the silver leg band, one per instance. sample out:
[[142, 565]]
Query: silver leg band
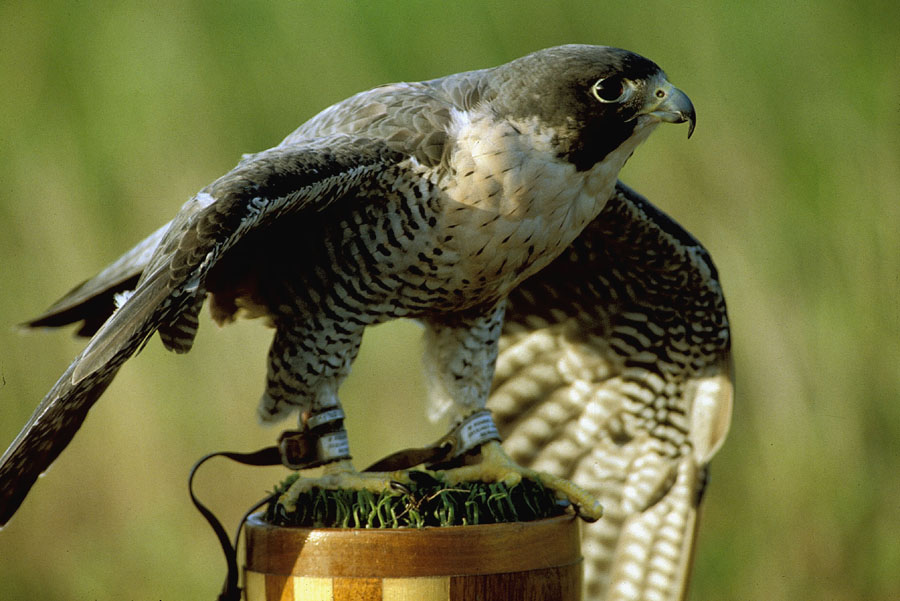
[[333, 446], [474, 431], [322, 441], [326, 417]]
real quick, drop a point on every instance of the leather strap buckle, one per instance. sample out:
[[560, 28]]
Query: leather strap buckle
[[324, 441]]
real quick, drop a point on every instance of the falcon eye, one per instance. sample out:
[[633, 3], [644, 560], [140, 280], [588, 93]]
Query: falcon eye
[[612, 89]]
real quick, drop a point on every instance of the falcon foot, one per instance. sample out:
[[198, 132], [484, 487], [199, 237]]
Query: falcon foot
[[497, 466], [341, 475]]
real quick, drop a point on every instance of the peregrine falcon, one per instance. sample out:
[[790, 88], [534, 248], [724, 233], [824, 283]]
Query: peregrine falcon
[[429, 200], [614, 371]]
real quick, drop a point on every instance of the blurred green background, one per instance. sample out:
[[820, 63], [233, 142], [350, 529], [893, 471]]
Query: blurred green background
[[113, 113]]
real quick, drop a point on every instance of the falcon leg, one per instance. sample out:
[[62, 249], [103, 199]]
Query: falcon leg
[[307, 363], [460, 353], [460, 357]]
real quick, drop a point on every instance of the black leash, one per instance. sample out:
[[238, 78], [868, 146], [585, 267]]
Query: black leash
[[296, 450], [263, 457]]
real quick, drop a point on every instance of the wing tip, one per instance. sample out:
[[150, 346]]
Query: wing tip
[[18, 477], [9, 505]]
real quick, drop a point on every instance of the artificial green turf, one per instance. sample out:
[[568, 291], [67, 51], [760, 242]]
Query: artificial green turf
[[426, 501]]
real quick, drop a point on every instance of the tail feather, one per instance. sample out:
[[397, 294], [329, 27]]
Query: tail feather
[[93, 301], [92, 311]]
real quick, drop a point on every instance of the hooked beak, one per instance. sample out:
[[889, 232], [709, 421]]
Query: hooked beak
[[672, 106]]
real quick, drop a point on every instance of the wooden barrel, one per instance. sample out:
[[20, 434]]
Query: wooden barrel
[[525, 561]]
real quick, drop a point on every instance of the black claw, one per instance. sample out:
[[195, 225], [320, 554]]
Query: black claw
[[588, 519], [423, 479], [398, 486]]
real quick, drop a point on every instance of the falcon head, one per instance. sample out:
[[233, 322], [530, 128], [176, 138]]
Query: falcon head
[[593, 98]]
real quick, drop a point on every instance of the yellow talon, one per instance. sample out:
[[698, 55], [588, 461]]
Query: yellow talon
[[340, 475], [496, 466]]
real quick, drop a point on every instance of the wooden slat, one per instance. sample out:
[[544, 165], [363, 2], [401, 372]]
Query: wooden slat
[[279, 587], [254, 586], [357, 589], [562, 583], [416, 589], [311, 589]]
